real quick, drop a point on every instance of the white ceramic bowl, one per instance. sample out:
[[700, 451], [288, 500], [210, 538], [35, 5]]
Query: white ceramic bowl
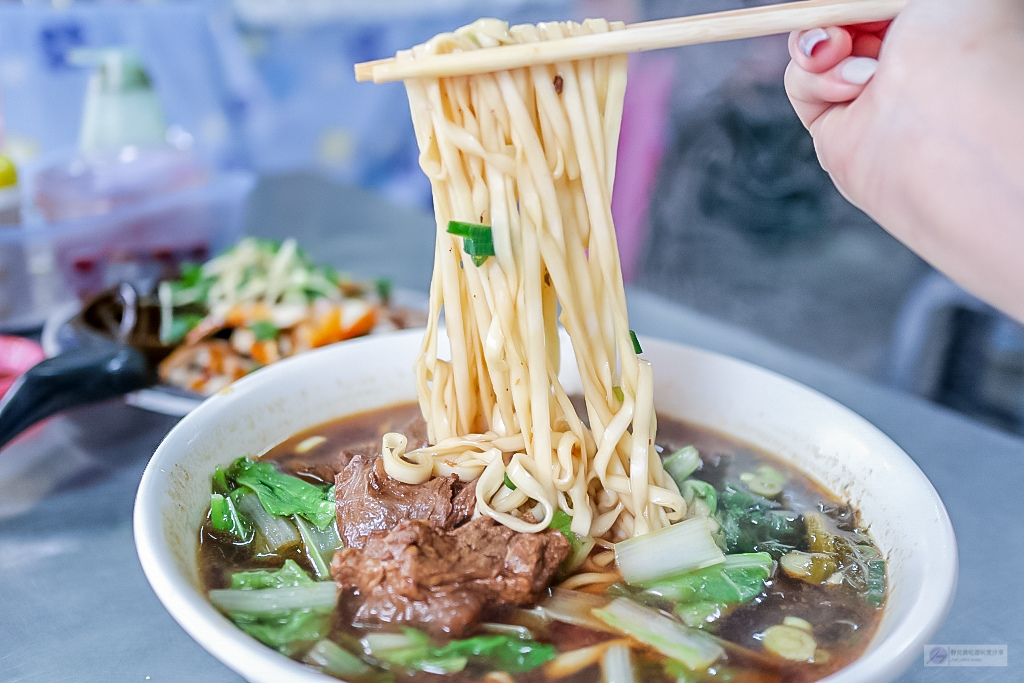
[[822, 438]]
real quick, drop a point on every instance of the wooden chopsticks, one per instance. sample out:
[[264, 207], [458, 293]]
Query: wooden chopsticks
[[641, 37]]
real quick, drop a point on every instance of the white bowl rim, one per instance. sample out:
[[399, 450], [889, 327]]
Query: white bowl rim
[[244, 655]]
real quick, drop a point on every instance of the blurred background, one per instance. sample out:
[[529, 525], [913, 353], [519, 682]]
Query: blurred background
[[138, 136]]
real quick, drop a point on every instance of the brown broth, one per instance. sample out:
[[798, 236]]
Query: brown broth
[[843, 622]]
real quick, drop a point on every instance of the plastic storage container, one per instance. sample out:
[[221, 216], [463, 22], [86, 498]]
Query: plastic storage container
[[44, 266]]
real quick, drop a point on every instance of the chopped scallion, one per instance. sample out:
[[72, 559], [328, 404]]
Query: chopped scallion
[[636, 343], [473, 231]]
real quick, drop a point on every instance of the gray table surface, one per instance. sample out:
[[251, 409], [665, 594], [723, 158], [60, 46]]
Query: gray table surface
[[75, 606]]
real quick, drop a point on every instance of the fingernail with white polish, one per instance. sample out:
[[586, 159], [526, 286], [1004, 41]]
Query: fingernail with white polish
[[812, 39], [859, 70]]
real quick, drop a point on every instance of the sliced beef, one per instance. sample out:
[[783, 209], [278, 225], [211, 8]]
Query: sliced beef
[[445, 581], [370, 500]]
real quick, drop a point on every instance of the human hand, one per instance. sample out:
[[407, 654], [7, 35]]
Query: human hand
[[918, 123]]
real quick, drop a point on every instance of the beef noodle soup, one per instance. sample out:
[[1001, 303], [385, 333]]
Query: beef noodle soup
[[797, 597], [503, 529]]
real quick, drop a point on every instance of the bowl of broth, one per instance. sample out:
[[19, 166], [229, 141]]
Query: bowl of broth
[[753, 430]]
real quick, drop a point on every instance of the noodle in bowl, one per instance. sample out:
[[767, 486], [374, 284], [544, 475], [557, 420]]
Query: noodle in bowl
[[823, 439]]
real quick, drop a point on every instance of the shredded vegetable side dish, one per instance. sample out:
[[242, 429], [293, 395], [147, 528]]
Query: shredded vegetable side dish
[[260, 302]]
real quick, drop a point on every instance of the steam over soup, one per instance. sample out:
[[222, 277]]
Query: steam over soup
[[314, 550]]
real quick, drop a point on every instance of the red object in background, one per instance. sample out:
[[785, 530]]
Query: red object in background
[[16, 356]]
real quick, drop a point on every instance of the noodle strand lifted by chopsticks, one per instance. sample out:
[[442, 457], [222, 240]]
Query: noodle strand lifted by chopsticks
[[531, 153]]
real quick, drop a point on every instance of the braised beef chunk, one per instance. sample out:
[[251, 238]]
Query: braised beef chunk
[[445, 581], [463, 504], [369, 500], [319, 465]]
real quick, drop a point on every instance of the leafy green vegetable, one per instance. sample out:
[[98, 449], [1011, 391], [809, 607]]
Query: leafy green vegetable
[[506, 652], [283, 608], [316, 559], [284, 495], [679, 673], [682, 464], [694, 648], [669, 551], [739, 579], [752, 523], [224, 516], [562, 521], [338, 661], [700, 614], [580, 546], [219, 482], [264, 330], [290, 574], [285, 631], [701, 497]]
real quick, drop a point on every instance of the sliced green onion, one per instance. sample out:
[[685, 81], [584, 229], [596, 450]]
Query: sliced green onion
[[479, 250], [765, 481], [336, 660], [320, 595], [509, 484], [472, 231], [617, 393], [682, 463], [636, 343], [672, 550], [789, 642], [695, 649], [477, 240]]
